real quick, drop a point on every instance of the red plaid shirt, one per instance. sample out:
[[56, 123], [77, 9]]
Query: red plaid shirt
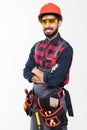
[[46, 56]]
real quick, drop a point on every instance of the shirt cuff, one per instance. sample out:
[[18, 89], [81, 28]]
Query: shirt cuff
[[30, 77]]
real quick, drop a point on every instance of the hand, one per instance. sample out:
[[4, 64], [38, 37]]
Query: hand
[[35, 79], [34, 70], [38, 73]]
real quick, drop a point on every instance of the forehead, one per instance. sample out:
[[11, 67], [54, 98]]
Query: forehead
[[49, 16]]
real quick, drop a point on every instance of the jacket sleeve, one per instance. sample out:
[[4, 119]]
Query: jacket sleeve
[[64, 62], [30, 64]]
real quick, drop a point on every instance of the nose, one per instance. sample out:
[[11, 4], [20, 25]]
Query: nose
[[47, 24]]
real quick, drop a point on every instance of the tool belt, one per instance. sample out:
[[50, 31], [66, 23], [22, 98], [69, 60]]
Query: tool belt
[[50, 107]]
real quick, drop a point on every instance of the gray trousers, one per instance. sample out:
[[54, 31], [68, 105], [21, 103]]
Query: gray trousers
[[33, 124]]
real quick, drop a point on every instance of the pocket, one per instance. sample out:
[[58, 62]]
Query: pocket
[[52, 122], [51, 109], [52, 101], [57, 120]]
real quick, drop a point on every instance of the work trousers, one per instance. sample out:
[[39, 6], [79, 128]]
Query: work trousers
[[33, 124]]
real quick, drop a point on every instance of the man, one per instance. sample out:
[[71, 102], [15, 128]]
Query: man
[[48, 67]]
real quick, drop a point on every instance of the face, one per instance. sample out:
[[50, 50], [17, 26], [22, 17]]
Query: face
[[50, 25]]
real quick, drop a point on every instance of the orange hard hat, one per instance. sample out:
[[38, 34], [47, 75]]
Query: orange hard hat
[[50, 8]]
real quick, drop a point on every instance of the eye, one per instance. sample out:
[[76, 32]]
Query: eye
[[49, 21]]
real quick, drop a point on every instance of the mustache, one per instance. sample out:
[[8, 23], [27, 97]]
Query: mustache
[[48, 28]]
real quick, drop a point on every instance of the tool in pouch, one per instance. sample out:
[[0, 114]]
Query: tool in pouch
[[28, 102], [28, 107], [37, 115]]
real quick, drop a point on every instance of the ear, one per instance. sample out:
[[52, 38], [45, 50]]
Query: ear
[[59, 23]]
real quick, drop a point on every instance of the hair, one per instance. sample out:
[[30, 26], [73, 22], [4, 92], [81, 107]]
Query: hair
[[59, 17]]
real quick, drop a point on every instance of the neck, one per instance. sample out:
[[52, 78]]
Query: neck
[[49, 39]]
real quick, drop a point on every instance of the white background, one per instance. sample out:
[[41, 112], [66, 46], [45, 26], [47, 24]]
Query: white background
[[19, 30]]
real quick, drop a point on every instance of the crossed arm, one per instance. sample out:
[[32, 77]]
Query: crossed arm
[[39, 75], [32, 73]]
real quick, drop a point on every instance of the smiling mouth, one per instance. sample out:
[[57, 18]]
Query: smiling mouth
[[48, 29]]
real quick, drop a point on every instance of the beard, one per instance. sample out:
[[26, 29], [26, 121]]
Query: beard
[[50, 35]]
